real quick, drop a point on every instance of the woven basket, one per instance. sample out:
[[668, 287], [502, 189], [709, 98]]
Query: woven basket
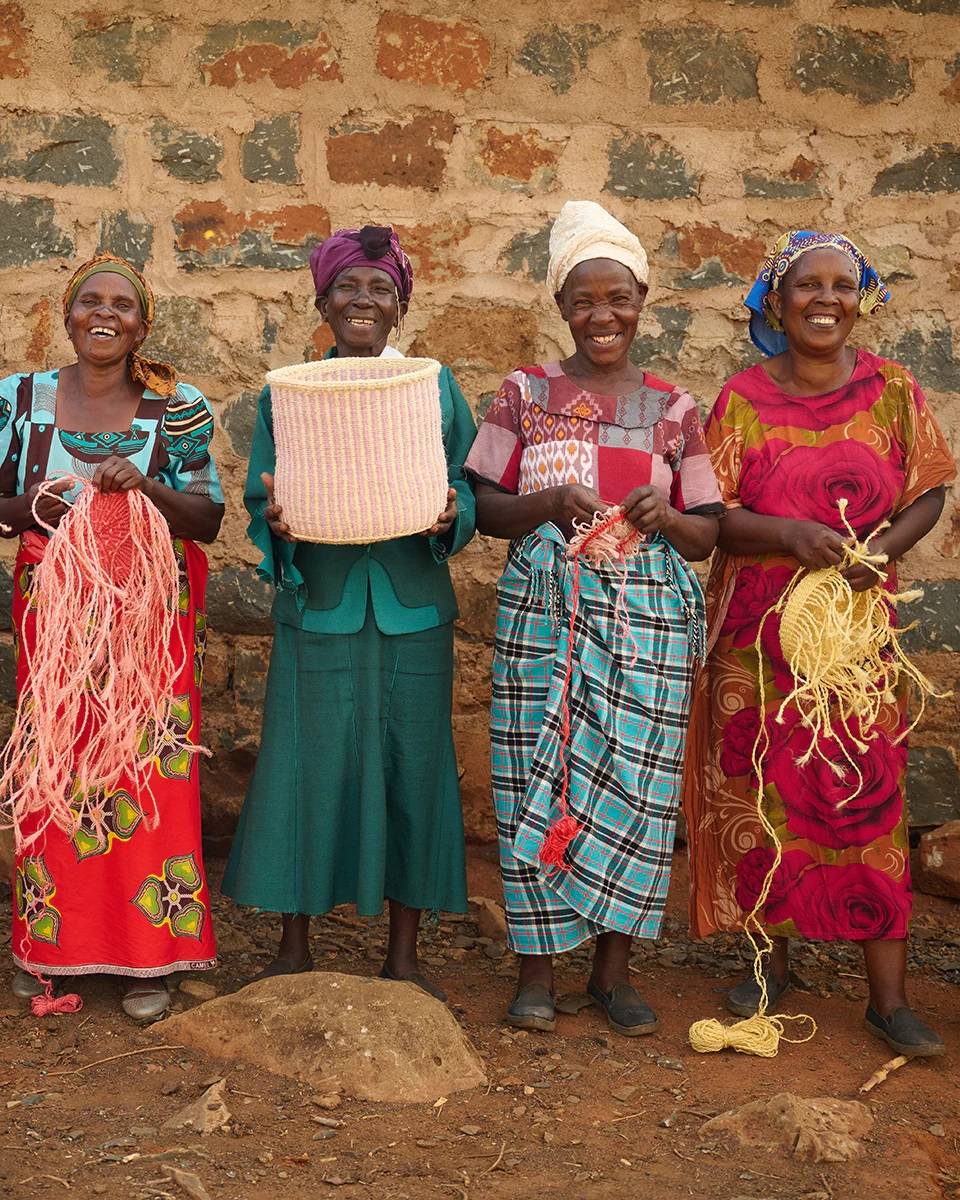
[[359, 448]]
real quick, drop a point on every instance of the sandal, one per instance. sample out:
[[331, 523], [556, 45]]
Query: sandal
[[627, 1013], [145, 1000], [744, 999], [418, 979], [283, 966], [904, 1032], [533, 1007]]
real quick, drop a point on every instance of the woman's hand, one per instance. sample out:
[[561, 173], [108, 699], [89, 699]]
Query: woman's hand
[[647, 510], [862, 577], [573, 502], [116, 474], [446, 518], [814, 545], [273, 514], [49, 507]]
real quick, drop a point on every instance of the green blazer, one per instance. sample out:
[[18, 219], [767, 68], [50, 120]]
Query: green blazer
[[326, 589]]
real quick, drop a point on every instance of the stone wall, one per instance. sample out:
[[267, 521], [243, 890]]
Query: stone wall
[[216, 146]]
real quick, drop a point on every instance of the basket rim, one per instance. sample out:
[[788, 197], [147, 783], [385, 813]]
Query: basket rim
[[414, 370]]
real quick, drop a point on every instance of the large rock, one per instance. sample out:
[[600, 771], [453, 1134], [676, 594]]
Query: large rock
[[374, 1039], [824, 1130], [939, 873]]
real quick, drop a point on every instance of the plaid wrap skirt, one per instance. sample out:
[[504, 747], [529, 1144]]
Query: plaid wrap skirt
[[629, 699]]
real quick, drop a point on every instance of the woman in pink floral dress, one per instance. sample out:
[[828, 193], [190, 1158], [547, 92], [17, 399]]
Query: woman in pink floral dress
[[817, 422]]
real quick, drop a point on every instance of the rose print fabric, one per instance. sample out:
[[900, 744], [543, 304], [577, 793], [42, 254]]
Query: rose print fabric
[[845, 873]]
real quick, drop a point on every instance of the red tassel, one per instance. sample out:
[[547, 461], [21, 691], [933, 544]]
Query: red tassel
[[559, 836], [44, 1005]]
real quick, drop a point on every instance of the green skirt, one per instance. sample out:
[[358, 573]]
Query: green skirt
[[355, 794]]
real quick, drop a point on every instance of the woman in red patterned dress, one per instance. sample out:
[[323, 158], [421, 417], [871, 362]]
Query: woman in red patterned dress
[[817, 422]]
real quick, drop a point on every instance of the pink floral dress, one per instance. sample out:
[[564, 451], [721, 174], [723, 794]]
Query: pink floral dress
[[845, 872]]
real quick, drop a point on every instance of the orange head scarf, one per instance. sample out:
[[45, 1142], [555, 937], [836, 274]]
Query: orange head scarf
[[159, 377]]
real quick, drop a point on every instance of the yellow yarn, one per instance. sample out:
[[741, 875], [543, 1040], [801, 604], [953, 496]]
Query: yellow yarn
[[846, 657]]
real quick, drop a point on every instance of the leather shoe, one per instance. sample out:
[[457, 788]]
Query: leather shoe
[[626, 1012], [145, 1000], [533, 1007], [904, 1032], [744, 999]]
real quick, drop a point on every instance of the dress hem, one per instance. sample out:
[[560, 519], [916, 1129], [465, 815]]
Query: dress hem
[[186, 964]]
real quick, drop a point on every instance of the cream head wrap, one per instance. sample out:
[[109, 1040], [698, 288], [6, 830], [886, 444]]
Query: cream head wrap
[[585, 230]]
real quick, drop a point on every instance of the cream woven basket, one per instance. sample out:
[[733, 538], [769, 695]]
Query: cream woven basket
[[359, 448]]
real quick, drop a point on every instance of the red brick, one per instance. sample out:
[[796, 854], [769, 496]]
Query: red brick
[[740, 255], [285, 68], [939, 873], [802, 169], [428, 52], [13, 38], [209, 229], [433, 249], [410, 155], [518, 154]]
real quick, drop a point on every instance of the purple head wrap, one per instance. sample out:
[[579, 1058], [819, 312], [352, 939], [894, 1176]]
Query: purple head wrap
[[371, 246]]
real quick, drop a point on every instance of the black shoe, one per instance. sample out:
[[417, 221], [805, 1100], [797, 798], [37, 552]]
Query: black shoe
[[418, 979], [626, 1011], [744, 999], [533, 1007], [904, 1032]]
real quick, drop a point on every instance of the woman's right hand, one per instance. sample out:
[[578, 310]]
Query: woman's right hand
[[273, 514], [574, 502], [49, 507], [814, 545]]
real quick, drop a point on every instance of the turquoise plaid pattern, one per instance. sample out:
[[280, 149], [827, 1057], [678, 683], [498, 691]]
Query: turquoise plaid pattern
[[629, 703]]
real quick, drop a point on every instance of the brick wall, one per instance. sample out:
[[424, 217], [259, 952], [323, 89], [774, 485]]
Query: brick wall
[[215, 147]]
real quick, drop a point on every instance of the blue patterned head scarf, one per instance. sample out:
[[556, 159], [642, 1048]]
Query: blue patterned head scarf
[[766, 332]]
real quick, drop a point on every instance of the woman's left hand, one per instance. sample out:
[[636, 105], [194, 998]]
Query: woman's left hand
[[861, 577], [446, 518], [647, 510], [116, 474]]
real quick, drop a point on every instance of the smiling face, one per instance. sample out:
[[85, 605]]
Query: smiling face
[[818, 302], [361, 307], [601, 301], [105, 321]]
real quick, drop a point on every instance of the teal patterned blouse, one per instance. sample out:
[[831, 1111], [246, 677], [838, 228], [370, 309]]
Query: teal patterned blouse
[[168, 439]]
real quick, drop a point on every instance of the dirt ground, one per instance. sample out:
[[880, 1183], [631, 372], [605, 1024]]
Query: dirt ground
[[581, 1113]]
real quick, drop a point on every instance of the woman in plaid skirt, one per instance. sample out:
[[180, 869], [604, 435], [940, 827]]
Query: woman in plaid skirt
[[561, 442]]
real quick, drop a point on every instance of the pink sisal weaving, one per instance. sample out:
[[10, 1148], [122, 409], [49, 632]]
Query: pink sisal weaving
[[99, 685], [360, 453]]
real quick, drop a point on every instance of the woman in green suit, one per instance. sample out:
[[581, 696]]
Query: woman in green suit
[[355, 796]]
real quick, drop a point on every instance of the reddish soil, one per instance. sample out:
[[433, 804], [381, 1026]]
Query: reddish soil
[[581, 1113]]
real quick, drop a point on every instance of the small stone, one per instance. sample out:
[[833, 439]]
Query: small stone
[[462, 942], [143, 1131], [323, 1135], [470, 1130], [937, 1130], [171, 1089], [528, 1090], [328, 1122], [495, 950], [491, 919], [670, 1064], [518, 1110], [328, 1101], [623, 1094], [197, 988]]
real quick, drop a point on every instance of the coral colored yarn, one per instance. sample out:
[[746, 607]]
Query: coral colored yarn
[[100, 680], [609, 539], [360, 453]]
